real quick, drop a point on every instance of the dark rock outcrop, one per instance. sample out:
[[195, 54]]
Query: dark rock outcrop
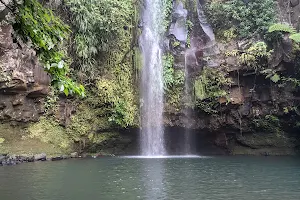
[[23, 82], [40, 157]]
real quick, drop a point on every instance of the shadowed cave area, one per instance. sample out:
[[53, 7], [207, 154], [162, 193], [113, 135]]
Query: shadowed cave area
[[177, 140]]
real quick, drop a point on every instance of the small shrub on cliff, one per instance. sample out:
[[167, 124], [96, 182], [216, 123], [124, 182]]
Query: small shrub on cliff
[[256, 56], [209, 87], [209, 84], [173, 81], [171, 76]]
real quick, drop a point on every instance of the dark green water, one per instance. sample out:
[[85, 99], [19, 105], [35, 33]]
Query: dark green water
[[226, 178]]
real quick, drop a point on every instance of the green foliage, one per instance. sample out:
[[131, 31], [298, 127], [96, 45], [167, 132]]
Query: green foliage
[[82, 129], [47, 32], [229, 34], [275, 78], [189, 24], [272, 75], [49, 131], [98, 138], [86, 121], [287, 29], [2, 140], [256, 52], [188, 41], [295, 37], [103, 34], [173, 81], [168, 7], [269, 123], [293, 81], [97, 23], [279, 79], [282, 28], [51, 101], [209, 87], [209, 84], [168, 70], [288, 109], [119, 100], [171, 77], [246, 18], [256, 56], [176, 44], [138, 63]]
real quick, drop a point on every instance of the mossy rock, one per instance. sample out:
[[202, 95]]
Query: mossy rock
[[18, 141]]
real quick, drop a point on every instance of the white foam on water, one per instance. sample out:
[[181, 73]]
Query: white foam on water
[[165, 157]]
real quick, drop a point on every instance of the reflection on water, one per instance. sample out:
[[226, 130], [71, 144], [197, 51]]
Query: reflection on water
[[154, 180], [216, 178]]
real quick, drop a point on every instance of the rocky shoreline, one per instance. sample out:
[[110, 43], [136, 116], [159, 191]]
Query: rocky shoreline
[[9, 160]]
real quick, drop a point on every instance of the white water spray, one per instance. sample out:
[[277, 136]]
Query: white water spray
[[152, 132]]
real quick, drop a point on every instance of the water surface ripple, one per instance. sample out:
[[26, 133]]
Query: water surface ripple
[[214, 178]]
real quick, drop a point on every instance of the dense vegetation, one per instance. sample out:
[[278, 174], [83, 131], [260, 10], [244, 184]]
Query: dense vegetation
[[90, 49], [47, 34], [94, 43], [209, 88], [245, 19]]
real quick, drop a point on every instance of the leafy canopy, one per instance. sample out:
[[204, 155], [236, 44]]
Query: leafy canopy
[[99, 25], [103, 43], [245, 18], [47, 33]]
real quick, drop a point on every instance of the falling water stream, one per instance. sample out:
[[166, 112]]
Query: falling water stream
[[206, 27], [191, 61], [152, 132]]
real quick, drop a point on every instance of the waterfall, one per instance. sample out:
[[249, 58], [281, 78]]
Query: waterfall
[[206, 27], [190, 60], [187, 101], [210, 49], [152, 131]]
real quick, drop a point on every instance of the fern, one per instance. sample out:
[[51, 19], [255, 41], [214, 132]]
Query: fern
[[252, 56], [295, 37], [282, 28]]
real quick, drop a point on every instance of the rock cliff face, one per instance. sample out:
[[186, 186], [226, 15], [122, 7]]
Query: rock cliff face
[[258, 116], [23, 82]]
